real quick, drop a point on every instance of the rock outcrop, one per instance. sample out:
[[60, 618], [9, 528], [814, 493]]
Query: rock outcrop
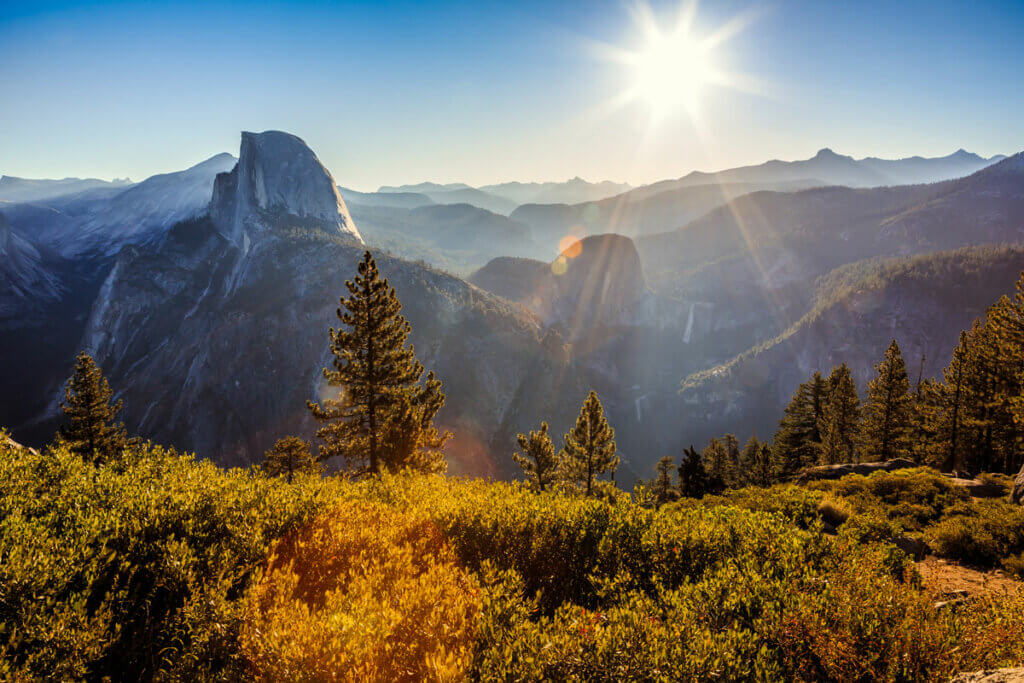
[[1017, 493], [864, 468], [277, 182]]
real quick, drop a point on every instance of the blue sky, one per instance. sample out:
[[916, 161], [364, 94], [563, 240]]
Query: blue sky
[[481, 92]]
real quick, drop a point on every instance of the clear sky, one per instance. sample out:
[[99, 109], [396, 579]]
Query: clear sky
[[480, 92]]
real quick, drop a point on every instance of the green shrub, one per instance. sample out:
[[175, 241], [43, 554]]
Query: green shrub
[[994, 531], [912, 498]]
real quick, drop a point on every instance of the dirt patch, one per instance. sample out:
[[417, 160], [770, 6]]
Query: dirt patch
[[944, 578]]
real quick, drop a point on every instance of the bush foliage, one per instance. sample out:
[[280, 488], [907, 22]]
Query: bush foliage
[[159, 567]]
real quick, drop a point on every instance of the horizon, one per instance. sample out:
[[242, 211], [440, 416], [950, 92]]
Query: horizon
[[127, 180], [400, 94]]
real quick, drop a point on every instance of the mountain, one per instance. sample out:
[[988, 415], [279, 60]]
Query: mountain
[[777, 238], [215, 334], [400, 200], [573, 191], [670, 204], [828, 168], [595, 282], [922, 301], [16, 190], [503, 198], [636, 212], [277, 179], [24, 275], [424, 188], [457, 237], [101, 221]]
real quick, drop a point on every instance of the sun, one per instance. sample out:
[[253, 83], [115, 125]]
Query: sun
[[671, 70], [673, 63]]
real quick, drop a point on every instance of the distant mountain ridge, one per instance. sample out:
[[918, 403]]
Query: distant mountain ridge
[[14, 189]]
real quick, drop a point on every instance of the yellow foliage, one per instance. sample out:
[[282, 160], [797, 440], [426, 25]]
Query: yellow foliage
[[364, 593]]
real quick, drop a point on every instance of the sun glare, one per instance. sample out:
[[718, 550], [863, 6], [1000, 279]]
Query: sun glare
[[670, 71], [673, 63]]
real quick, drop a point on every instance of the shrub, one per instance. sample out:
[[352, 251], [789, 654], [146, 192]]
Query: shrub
[[912, 498], [993, 532], [834, 510], [363, 593]]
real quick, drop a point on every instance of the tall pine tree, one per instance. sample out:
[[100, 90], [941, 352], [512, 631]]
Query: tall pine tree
[[589, 449], [950, 420], [692, 477], [92, 430], [886, 426], [794, 446], [383, 416], [538, 460], [840, 419], [718, 465]]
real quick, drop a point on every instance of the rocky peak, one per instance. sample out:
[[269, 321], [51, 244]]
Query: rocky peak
[[278, 180]]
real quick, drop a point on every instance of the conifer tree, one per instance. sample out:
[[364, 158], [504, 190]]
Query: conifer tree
[[383, 416], [288, 457], [589, 449], [748, 461], [886, 427], [662, 487], [718, 465], [691, 475], [840, 419], [817, 389], [1008, 329], [538, 460], [950, 428], [91, 430], [794, 446], [761, 472]]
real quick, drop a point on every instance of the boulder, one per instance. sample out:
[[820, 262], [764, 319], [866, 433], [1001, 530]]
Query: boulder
[[865, 468], [1017, 492], [979, 489], [914, 547]]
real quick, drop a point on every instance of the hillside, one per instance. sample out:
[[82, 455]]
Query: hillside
[[923, 302]]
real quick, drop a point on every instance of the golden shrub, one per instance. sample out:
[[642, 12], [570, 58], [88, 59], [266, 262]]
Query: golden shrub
[[364, 593]]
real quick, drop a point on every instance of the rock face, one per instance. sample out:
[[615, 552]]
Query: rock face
[[1017, 494], [596, 282], [215, 339], [278, 181]]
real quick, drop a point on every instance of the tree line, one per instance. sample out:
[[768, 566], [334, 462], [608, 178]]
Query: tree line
[[381, 416]]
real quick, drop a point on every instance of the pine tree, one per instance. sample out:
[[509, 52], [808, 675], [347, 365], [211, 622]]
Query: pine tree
[[761, 472], [691, 475], [950, 420], [383, 416], [288, 457], [1008, 327], [718, 466], [589, 449], [840, 419], [817, 389], [748, 461], [886, 427], [92, 430], [662, 487], [538, 460], [794, 446]]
